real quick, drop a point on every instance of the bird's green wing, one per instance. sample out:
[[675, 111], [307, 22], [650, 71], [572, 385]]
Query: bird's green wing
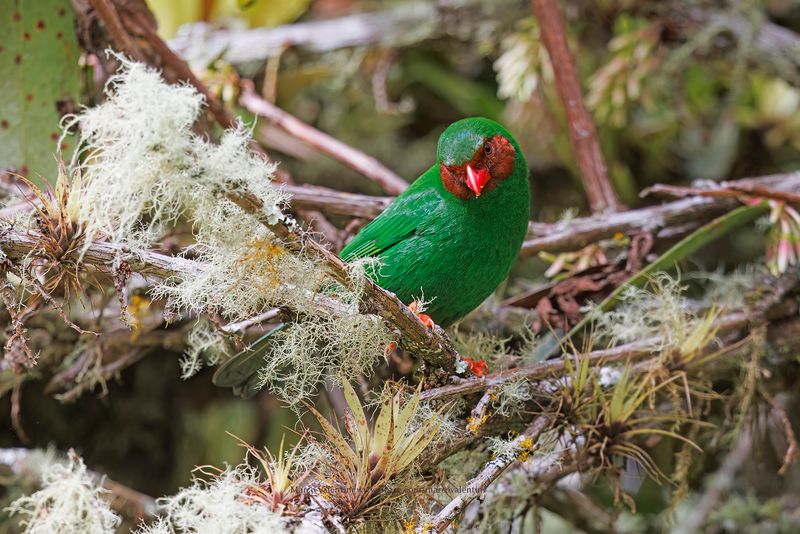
[[399, 221]]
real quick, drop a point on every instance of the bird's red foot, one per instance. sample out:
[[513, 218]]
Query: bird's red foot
[[387, 352], [426, 319], [476, 367]]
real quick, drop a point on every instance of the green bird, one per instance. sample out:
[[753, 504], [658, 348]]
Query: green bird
[[450, 238]]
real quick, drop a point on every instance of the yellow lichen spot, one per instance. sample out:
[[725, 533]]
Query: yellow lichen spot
[[473, 424], [136, 308], [261, 263], [525, 449], [619, 236], [409, 526]]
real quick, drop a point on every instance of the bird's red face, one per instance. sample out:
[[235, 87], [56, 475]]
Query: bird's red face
[[492, 163]]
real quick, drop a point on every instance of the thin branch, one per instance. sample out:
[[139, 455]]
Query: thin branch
[[489, 474], [630, 352], [400, 26], [583, 135], [335, 202], [720, 484], [723, 191], [108, 14], [353, 158]]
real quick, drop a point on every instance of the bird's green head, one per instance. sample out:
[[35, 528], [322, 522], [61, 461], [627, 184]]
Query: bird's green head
[[475, 155]]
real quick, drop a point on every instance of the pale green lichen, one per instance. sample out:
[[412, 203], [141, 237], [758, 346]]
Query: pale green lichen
[[511, 398], [70, 501], [204, 346], [658, 310], [145, 171], [217, 504], [306, 352]]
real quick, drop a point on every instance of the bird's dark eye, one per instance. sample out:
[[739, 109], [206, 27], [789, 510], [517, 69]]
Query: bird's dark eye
[[487, 148]]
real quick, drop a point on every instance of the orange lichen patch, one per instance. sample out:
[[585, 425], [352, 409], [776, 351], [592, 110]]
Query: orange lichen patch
[[137, 307], [525, 449], [261, 263], [475, 423]]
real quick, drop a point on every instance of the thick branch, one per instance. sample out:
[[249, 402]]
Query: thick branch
[[489, 474], [403, 25], [431, 344], [684, 214], [581, 128], [353, 158]]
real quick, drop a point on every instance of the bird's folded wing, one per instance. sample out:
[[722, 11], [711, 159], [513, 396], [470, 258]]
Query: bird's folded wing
[[399, 221]]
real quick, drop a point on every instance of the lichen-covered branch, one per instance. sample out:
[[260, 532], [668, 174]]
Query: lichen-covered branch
[[629, 352], [489, 474]]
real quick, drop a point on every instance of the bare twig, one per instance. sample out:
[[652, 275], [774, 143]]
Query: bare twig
[[336, 202], [489, 474], [355, 159], [16, 410], [581, 128], [695, 211], [720, 484], [108, 13], [405, 24], [724, 190]]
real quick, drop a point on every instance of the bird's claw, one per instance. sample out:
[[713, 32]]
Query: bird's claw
[[425, 319]]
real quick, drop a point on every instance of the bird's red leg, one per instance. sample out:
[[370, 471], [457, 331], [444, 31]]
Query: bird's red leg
[[426, 320]]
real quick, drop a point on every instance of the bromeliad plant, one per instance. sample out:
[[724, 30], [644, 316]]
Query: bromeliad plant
[[282, 489], [618, 417], [368, 471]]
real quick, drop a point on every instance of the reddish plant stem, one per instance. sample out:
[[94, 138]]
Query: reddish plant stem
[[581, 128], [353, 158], [108, 14]]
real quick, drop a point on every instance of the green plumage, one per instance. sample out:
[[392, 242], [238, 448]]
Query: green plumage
[[434, 244], [431, 244]]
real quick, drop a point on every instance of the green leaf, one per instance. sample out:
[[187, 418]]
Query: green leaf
[[383, 435], [39, 76], [361, 430]]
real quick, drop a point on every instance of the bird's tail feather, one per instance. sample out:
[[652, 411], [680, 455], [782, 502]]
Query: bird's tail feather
[[241, 371]]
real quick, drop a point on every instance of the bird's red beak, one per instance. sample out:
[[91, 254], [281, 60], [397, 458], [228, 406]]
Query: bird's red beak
[[477, 179]]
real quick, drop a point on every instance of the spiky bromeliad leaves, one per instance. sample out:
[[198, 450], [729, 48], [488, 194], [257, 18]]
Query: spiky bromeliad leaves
[[370, 471], [612, 420]]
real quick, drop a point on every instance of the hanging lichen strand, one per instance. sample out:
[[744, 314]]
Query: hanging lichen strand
[[143, 171]]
